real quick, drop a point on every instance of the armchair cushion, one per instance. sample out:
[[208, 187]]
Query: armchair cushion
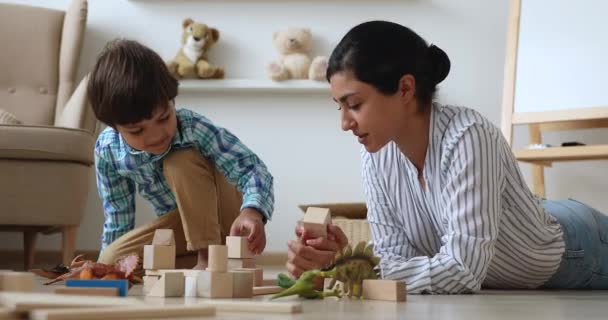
[[46, 143]]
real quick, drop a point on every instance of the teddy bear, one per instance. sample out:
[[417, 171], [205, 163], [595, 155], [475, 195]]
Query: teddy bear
[[294, 46], [191, 59]]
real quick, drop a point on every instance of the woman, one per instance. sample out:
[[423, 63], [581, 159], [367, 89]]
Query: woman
[[448, 207]]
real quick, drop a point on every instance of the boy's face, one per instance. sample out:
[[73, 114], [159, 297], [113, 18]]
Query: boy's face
[[153, 135]]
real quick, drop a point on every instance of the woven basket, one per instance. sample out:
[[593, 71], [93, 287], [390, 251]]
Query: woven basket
[[356, 230]]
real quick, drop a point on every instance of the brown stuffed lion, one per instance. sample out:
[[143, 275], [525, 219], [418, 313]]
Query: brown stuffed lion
[[191, 59]]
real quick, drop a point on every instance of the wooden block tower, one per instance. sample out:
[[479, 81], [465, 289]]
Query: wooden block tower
[[216, 281], [239, 255], [241, 259], [161, 255]]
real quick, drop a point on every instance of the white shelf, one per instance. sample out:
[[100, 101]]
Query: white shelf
[[253, 85]]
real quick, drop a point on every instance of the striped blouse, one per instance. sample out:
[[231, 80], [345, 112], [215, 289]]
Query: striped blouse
[[475, 223]]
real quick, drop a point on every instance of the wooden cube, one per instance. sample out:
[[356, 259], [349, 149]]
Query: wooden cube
[[317, 215], [171, 284], [258, 275], [159, 257], [218, 258], [78, 291], [16, 281], [242, 284], [387, 290], [315, 222], [163, 237], [190, 287], [149, 282], [214, 284], [234, 263], [238, 247]]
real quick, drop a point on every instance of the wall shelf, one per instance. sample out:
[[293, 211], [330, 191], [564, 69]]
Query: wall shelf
[[558, 154], [253, 85]]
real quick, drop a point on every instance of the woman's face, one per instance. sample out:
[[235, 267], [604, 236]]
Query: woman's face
[[375, 118]]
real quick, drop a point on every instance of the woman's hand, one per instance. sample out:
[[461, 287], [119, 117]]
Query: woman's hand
[[306, 254]]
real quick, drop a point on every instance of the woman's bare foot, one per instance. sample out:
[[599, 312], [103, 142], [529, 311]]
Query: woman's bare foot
[[202, 262]]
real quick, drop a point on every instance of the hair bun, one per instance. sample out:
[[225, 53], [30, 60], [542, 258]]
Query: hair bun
[[440, 63]]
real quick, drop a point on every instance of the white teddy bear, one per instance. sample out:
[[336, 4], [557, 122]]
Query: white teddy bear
[[294, 45]]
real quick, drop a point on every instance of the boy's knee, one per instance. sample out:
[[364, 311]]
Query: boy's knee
[[108, 255], [185, 162]]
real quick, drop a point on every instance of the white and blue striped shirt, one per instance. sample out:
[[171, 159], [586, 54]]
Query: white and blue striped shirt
[[476, 222]]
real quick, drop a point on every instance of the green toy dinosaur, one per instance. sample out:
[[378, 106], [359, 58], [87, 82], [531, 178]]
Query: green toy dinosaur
[[349, 267]]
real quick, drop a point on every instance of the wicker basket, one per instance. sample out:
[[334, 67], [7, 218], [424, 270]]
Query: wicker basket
[[356, 230], [350, 217]]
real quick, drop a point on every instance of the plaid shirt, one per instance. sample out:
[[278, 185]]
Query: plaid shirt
[[120, 169]]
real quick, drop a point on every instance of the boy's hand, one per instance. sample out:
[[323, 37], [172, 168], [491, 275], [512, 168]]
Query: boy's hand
[[249, 223]]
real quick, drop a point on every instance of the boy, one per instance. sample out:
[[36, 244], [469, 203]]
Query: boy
[[180, 162]]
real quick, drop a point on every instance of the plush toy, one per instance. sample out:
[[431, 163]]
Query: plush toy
[[294, 46], [191, 60]]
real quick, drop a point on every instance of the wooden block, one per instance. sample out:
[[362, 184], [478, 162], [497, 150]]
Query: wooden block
[[149, 282], [122, 285], [258, 275], [163, 237], [387, 290], [140, 312], [238, 247], [159, 257], [214, 284], [269, 282], [256, 306], [242, 284], [218, 258], [317, 215], [16, 281], [24, 302], [257, 291], [315, 222], [109, 292], [170, 284], [6, 314], [190, 287], [234, 263], [186, 272]]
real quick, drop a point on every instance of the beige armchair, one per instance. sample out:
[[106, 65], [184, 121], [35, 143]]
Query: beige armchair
[[45, 163]]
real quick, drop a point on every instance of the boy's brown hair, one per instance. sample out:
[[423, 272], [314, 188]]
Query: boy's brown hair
[[129, 83]]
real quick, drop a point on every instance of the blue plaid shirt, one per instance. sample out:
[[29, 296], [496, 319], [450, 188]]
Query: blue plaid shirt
[[120, 169]]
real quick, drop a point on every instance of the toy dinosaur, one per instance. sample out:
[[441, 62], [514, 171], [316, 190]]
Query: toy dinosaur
[[88, 269], [350, 267]]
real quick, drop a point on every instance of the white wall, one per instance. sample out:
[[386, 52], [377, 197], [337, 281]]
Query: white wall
[[297, 135]]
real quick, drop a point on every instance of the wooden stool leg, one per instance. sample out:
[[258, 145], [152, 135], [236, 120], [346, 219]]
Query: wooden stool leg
[[69, 243], [29, 246], [538, 180], [538, 171]]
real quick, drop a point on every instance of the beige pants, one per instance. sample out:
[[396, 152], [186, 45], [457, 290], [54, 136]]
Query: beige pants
[[207, 204]]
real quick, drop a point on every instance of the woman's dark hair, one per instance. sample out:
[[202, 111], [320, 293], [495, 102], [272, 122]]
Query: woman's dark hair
[[379, 53]]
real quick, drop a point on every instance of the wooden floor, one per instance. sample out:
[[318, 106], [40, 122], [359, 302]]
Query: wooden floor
[[519, 305]]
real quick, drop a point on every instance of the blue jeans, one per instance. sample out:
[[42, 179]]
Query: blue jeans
[[585, 261]]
